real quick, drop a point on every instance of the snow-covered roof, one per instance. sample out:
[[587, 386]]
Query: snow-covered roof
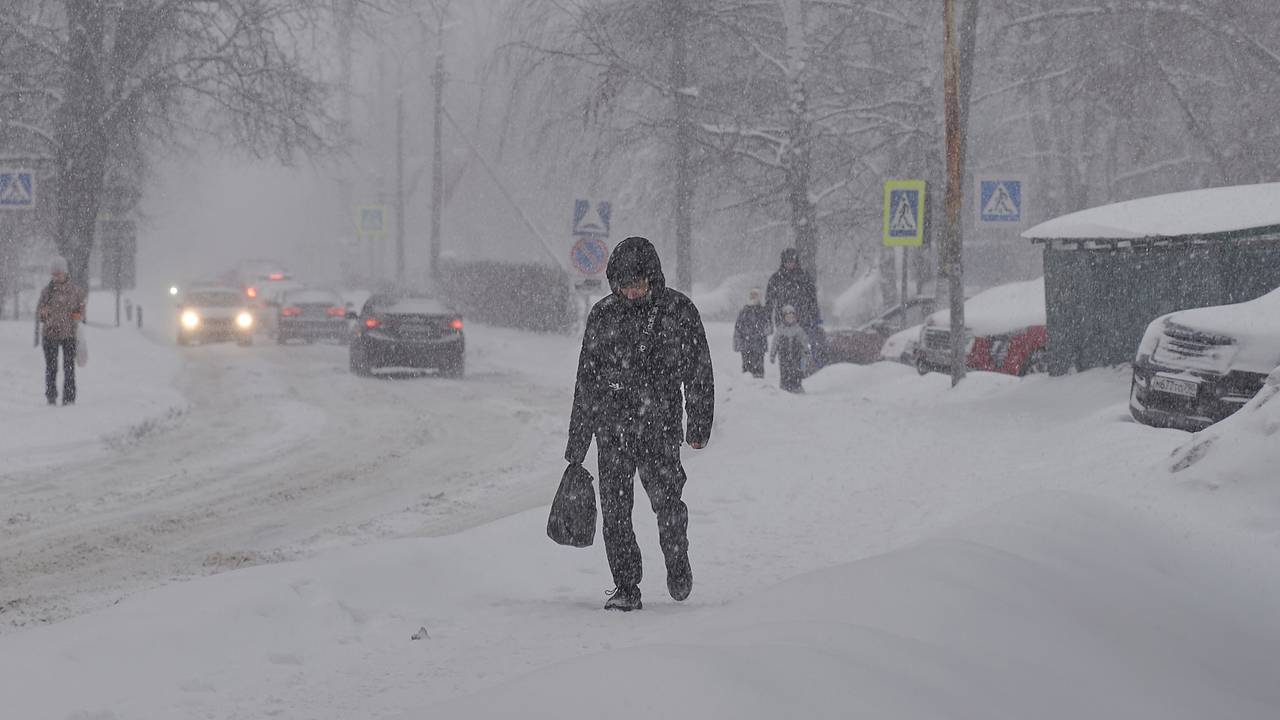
[[1195, 212]]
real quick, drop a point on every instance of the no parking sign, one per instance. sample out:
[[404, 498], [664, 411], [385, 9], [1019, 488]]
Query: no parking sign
[[590, 255]]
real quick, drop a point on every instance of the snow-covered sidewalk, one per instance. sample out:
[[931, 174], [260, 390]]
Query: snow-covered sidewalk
[[880, 547], [126, 387]]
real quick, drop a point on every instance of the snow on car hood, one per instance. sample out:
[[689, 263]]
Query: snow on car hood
[[900, 342], [1195, 212], [1001, 309], [1254, 324]]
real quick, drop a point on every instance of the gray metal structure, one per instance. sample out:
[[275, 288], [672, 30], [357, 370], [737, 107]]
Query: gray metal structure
[[1101, 293]]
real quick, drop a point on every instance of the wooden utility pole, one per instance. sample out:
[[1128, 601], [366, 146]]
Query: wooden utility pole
[[957, 82], [399, 184], [437, 152]]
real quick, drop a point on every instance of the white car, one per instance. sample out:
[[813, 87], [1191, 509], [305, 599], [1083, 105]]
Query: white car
[[1196, 367], [211, 313], [901, 346]]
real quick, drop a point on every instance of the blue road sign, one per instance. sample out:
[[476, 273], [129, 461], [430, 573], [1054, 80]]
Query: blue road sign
[[590, 255], [1000, 200], [591, 221], [17, 189]]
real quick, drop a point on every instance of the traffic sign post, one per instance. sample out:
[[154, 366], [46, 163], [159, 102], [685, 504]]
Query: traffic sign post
[[589, 252], [1000, 200], [904, 213], [371, 220], [17, 189], [904, 202]]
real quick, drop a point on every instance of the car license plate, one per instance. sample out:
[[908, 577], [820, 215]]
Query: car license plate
[[1175, 386]]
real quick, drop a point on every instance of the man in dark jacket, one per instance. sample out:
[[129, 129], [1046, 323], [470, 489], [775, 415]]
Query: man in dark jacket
[[792, 285], [60, 309], [643, 343]]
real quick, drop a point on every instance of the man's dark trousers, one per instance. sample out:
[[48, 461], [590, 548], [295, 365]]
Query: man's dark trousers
[[68, 370], [663, 479]]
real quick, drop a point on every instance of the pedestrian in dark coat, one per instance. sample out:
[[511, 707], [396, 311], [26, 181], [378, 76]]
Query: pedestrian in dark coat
[[790, 351], [792, 285], [60, 310], [643, 344], [751, 334]]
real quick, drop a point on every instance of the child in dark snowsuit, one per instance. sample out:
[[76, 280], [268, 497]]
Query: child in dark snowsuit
[[791, 343], [751, 334]]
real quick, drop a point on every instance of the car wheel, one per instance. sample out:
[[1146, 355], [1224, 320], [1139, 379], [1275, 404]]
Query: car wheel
[[358, 362], [455, 369], [921, 367], [281, 339], [1037, 363]]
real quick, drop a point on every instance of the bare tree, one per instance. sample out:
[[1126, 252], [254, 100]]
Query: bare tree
[[135, 71]]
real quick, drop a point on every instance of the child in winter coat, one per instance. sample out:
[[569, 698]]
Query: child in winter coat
[[791, 343], [751, 334]]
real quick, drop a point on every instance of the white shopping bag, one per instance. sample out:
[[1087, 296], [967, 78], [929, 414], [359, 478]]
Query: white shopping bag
[[82, 347]]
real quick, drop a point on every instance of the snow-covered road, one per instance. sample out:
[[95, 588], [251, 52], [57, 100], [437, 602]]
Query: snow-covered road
[[277, 451]]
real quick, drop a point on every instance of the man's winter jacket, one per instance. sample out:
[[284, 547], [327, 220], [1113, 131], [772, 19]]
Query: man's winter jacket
[[636, 356], [793, 286], [61, 306]]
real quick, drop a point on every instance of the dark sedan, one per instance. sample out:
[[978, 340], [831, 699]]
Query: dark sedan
[[311, 315], [397, 331]]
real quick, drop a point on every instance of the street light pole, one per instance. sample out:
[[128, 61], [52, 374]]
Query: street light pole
[[399, 186], [437, 154]]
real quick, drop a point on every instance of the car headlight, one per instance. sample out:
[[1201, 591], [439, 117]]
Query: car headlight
[[244, 320], [190, 319]]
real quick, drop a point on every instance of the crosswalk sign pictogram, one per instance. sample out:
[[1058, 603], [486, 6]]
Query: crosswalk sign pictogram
[[904, 213], [17, 189], [589, 220], [1000, 200]]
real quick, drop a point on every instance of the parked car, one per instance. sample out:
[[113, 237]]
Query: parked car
[[1005, 332], [310, 315], [210, 313], [901, 346], [408, 331], [1196, 367], [862, 344]]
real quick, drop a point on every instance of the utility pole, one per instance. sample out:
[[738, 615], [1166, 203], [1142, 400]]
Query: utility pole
[[344, 12], [957, 81], [399, 185], [437, 151], [683, 145]]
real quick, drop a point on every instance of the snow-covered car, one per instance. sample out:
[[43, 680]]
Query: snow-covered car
[[209, 313], [407, 331], [1006, 332], [1195, 367], [864, 344], [901, 346]]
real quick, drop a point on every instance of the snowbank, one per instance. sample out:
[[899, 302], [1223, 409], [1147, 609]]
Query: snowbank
[[1051, 606], [124, 391]]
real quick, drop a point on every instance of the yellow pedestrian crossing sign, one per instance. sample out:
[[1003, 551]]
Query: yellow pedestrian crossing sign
[[903, 213]]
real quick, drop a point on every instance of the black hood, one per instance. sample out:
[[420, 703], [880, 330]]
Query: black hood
[[789, 254], [635, 258]]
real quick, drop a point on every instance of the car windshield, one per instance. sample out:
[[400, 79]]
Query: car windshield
[[312, 297], [214, 299]]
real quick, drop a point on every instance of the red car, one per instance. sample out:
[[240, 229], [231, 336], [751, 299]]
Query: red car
[[1005, 327]]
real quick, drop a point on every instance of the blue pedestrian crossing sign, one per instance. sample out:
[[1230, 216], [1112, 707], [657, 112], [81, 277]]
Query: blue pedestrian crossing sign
[[591, 219], [17, 189], [1000, 200], [904, 213]]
